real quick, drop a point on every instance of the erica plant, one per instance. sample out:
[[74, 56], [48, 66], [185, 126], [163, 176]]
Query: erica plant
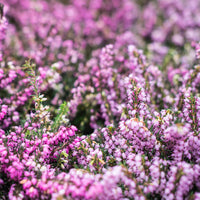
[[99, 100]]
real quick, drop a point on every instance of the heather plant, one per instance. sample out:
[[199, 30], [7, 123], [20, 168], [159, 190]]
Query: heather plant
[[99, 100]]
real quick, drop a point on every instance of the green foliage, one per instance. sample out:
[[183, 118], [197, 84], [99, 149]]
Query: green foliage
[[61, 116], [82, 119], [30, 69]]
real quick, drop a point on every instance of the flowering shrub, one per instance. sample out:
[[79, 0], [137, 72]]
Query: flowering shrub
[[100, 99]]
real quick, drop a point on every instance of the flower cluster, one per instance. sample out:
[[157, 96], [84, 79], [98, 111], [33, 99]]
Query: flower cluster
[[99, 99]]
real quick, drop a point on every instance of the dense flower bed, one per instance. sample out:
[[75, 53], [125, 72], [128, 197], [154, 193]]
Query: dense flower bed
[[99, 99]]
